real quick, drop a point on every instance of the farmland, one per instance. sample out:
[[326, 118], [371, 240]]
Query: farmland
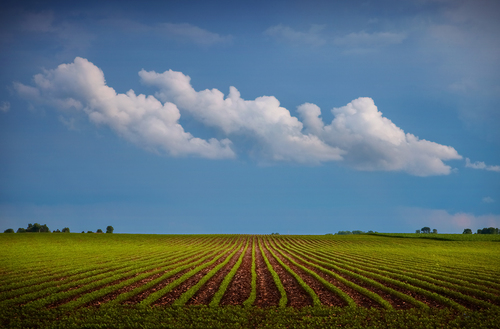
[[248, 281]]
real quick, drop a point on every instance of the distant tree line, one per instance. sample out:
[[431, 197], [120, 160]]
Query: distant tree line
[[426, 230], [38, 228], [353, 232], [486, 230]]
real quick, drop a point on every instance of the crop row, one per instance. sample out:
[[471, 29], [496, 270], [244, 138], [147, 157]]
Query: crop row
[[356, 272]]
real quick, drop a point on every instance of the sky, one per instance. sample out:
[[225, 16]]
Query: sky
[[290, 117]]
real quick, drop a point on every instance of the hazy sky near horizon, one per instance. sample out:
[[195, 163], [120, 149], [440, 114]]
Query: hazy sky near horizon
[[300, 117]]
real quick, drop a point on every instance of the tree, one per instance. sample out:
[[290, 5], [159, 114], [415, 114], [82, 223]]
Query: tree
[[65, 230], [98, 231], [434, 231], [426, 229], [21, 230], [467, 231], [343, 233], [56, 231], [109, 229], [357, 232], [489, 230], [9, 230], [90, 232], [37, 228], [83, 231], [417, 231]]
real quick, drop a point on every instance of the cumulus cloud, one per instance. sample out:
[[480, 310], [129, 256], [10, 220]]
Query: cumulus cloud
[[373, 142], [276, 135], [446, 222], [488, 199], [480, 165], [359, 136], [141, 119], [286, 33]]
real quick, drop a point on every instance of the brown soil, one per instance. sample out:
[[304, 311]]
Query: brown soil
[[69, 299], [143, 295], [267, 292], [208, 290], [175, 293], [241, 286], [396, 302], [326, 296], [424, 299], [360, 299], [297, 296], [421, 298], [114, 294]]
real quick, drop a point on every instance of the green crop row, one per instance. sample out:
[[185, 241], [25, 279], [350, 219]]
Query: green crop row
[[416, 281], [330, 262], [339, 278], [297, 277], [183, 299], [159, 293], [19, 281], [253, 293], [227, 280], [368, 281], [283, 300], [91, 279]]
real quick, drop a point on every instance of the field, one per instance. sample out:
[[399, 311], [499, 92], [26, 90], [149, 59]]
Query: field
[[245, 281]]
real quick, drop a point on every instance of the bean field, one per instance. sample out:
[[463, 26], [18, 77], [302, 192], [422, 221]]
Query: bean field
[[238, 280]]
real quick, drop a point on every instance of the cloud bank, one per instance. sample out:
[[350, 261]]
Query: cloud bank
[[359, 136]]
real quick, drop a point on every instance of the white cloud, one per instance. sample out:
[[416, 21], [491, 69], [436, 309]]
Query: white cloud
[[369, 40], [359, 135], [373, 142], [286, 33], [445, 222], [4, 107], [139, 118], [275, 134], [480, 165], [488, 199]]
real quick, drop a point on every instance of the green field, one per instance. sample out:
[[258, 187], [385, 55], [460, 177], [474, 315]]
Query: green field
[[244, 281]]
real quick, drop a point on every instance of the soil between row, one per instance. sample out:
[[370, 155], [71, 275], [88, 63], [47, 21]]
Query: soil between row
[[267, 293]]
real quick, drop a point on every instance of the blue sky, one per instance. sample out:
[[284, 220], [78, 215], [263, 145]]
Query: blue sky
[[275, 116]]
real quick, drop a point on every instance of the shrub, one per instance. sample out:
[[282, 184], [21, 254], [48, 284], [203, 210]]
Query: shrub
[[9, 230], [65, 230], [109, 229], [98, 231], [21, 230], [90, 232], [467, 231]]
